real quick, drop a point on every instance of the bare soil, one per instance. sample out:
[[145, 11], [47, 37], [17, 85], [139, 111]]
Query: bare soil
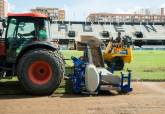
[[159, 69], [147, 98]]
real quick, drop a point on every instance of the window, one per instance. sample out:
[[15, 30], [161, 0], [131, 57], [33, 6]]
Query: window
[[26, 28], [47, 28], [12, 28], [43, 29]]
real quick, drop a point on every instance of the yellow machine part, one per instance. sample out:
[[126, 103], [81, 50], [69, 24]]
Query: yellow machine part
[[116, 52]]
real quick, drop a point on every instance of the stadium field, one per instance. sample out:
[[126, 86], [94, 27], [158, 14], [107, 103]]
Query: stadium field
[[146, 65]]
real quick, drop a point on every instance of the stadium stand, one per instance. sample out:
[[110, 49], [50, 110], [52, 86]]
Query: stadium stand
[[148, 33]]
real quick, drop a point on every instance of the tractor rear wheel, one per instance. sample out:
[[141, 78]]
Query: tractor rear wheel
[[40, 71]]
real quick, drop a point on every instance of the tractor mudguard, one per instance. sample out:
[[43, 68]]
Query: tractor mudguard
[[35, 45]]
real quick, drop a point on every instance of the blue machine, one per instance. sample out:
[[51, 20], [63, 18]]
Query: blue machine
[[78, 78], [125, 88], [90, 75]]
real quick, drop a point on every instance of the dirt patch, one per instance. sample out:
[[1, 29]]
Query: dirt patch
[[147, 98], [159, 69]]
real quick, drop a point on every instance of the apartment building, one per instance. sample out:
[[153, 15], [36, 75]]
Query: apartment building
[[3, 8], [54, 13]]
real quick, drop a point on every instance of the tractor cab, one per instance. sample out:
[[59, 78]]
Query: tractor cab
[[21, 30]]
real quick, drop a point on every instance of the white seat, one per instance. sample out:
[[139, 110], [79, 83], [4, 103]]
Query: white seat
[[107, 77]]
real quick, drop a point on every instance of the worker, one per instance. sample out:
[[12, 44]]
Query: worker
[[42, 33], [118, 40], [114, 43]]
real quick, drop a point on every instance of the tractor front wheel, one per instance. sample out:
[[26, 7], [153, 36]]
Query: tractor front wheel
[[40, 71]]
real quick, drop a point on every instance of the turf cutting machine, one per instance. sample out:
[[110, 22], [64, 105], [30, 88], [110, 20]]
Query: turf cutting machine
[[90, 76]]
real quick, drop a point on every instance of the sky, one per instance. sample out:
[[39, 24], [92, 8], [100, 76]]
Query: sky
[[77, 10]]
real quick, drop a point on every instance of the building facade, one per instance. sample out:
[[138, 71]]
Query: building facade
[[145, 16], [3, 8], [54, 13]]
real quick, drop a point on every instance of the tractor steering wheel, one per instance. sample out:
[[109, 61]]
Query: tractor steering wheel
[[20, 36]]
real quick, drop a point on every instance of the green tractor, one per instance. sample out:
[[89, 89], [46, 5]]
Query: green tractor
[[27, 52]]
